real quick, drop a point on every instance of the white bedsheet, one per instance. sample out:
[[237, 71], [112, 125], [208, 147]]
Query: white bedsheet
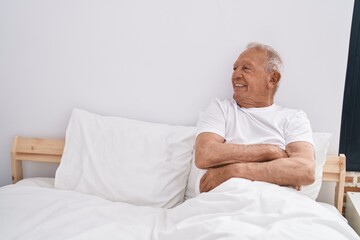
[[238, 209]]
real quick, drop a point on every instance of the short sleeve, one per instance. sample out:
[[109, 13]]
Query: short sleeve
[[298, 129], [213, 119]]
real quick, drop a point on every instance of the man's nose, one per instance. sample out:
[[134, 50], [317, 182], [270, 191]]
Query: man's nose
[[237, 74]]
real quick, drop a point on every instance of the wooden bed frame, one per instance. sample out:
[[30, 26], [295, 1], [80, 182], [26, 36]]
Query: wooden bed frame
[[50, 150]]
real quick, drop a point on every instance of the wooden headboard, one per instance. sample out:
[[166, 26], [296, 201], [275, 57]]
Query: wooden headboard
[[50, 150]]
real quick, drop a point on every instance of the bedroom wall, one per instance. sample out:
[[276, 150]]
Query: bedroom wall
[[159, 61]]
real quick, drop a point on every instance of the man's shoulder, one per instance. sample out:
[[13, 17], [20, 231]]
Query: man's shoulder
[[292, 114], [227, 102], [289, 110]]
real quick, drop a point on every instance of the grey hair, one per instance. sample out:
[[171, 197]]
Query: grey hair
[[274, 62]]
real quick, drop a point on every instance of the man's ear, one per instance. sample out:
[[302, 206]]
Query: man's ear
[[275, 78]]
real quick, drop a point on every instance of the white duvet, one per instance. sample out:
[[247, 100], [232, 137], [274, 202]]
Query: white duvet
[[237, 209]]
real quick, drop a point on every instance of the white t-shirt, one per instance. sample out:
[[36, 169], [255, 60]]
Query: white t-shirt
[[269, 125]]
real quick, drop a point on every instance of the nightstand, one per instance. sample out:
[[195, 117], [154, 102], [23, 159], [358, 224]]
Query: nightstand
[[352, 210]]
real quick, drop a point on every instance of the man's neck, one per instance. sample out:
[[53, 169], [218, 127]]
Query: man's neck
[[255, 104]]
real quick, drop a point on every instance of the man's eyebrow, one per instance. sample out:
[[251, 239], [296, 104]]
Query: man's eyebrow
[[244, 62], [248, 62]]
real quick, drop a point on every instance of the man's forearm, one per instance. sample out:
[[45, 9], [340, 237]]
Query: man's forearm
[[211, 151], [294, 172]]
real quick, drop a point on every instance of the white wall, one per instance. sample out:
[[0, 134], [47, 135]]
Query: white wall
[[159, 60]]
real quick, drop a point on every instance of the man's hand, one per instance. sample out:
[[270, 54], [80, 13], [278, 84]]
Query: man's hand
[[215, 176]]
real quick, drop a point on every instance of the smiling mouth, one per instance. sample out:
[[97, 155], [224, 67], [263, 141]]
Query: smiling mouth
[[239, 85]]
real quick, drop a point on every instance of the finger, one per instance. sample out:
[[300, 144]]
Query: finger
[[204, 188], [203, 184]]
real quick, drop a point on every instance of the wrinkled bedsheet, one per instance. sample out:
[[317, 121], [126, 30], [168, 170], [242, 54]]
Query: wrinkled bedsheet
[[237, 209]]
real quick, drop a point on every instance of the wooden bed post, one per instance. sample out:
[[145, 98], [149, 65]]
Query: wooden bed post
[[339, 189], [334, 171], [16, 165]]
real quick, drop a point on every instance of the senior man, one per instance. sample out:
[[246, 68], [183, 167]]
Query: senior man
[[251, 137]]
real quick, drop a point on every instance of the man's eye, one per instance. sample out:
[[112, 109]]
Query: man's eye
[[246, 68], [234, 68]]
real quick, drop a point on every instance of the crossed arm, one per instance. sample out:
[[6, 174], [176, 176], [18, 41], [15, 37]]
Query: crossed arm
[[294, 167]]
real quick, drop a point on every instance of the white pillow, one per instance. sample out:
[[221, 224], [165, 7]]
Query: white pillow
[[192, 187], [321, 144], [126, 160]]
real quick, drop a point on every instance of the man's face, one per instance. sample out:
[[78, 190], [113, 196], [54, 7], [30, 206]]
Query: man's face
[[250, 79]]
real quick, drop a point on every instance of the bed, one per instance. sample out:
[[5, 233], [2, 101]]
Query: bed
[[51, 208]]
